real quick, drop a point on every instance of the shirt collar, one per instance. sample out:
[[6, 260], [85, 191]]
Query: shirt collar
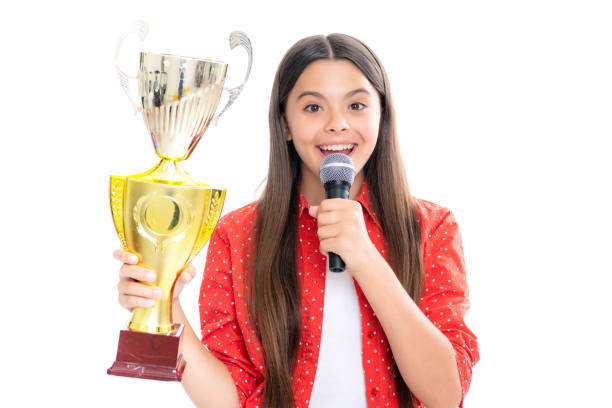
[[363, 197]]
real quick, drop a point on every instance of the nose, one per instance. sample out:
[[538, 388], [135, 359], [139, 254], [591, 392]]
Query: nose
[[337, 122]]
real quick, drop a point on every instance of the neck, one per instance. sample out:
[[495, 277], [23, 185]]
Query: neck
[[314, 192]]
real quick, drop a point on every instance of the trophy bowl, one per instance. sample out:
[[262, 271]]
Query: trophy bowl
[[178, 97]]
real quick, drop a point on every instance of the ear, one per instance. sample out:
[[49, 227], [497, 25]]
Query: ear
[[286, 130]]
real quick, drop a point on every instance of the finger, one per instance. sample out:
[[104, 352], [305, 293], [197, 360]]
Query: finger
[[313, 210], [137, 273], [132, 288], [332, 204], [125, 256], [130, 302], [333, 244], [327, 231], [329, 217]]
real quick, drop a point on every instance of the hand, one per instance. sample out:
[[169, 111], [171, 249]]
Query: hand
[[342, 230], [133, 292]]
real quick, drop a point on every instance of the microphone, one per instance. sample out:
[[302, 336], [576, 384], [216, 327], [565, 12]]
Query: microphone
[[337, 175]]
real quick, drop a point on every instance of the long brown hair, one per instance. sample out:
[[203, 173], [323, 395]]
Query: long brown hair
[[273, 300]]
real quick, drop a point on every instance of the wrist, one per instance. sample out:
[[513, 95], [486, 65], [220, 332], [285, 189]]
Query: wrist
[[373, 262]]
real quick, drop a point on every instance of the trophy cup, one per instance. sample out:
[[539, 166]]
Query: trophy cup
[[163, 215]]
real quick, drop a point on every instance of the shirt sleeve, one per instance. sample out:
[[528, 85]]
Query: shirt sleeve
[[445, 292], [221, 334]]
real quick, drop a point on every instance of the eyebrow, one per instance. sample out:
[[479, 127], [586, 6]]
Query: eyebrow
[[318, 95]]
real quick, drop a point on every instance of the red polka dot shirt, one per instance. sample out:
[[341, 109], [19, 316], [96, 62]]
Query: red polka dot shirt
[[229, 337]]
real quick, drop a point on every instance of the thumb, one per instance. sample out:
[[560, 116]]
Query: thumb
[[185, 277], [188, 274], [313, 211]]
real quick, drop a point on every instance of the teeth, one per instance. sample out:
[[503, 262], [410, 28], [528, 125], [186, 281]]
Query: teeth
[[337, 147]]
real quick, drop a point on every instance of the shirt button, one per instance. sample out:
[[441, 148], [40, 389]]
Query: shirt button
[[371, 334], [373, 391]]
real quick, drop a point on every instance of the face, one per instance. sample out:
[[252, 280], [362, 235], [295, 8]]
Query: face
[[332, 108]]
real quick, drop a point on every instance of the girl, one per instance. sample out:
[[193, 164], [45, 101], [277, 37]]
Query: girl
[[278, 329]]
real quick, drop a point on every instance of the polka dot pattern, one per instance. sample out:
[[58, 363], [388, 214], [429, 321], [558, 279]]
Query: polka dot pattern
[[227, 334], [445, 289]]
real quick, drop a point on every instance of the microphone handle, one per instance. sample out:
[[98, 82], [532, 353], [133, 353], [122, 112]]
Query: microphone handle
[[336, 189], [336, 264]]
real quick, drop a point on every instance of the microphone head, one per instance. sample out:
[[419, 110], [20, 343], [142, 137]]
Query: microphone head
[[337, 167]]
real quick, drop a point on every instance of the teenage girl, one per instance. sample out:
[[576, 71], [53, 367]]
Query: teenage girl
[[280, 330]]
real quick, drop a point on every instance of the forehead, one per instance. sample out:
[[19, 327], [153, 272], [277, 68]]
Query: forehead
[[331, 77]]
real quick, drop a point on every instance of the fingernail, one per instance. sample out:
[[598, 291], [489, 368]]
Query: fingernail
[[150, 277], [132, 259], [157, 292], [148, 302]]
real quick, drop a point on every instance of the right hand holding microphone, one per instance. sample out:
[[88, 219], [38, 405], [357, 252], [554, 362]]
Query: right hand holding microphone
[[133, 292]]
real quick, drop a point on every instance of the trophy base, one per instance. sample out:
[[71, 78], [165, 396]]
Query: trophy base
[[149, 356]]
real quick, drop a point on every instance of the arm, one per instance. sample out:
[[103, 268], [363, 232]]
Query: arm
[[432, 347], [424, 356], [444, 299], [222, 335], [206, 380]]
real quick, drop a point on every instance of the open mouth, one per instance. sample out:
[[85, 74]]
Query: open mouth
[[344, 149]]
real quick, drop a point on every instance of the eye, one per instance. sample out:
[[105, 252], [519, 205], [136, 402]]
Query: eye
[[313, 108], [357, 106]]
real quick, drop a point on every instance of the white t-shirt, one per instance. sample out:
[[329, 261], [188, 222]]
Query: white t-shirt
[[339, 379]]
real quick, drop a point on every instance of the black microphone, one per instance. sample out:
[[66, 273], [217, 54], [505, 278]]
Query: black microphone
[[337, 175]]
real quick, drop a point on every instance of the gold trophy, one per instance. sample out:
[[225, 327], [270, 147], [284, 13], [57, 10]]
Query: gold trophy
[[163, 215]]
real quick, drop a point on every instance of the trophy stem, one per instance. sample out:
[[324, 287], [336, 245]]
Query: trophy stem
[[156, 319], [168, 172]]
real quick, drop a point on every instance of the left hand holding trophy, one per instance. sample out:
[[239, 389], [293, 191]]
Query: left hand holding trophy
[[163, 215]]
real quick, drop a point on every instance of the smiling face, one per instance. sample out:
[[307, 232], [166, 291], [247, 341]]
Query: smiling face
[[332, 108]]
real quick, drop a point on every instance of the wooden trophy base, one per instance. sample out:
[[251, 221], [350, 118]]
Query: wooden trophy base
[[149, 356]]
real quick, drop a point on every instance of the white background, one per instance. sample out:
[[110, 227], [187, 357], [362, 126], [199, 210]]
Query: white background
[[504, 113]]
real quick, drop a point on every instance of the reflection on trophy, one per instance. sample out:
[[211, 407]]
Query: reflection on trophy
[[163, 215]]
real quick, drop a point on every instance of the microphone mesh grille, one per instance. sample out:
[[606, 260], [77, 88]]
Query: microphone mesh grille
[[338, 167]]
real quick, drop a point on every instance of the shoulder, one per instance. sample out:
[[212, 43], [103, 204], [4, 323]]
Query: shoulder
[[236, 223], [430, 212], [432, 215]]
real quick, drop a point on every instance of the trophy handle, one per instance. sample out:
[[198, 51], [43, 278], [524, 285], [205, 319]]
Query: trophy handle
[[142, 29], [237, 38]]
